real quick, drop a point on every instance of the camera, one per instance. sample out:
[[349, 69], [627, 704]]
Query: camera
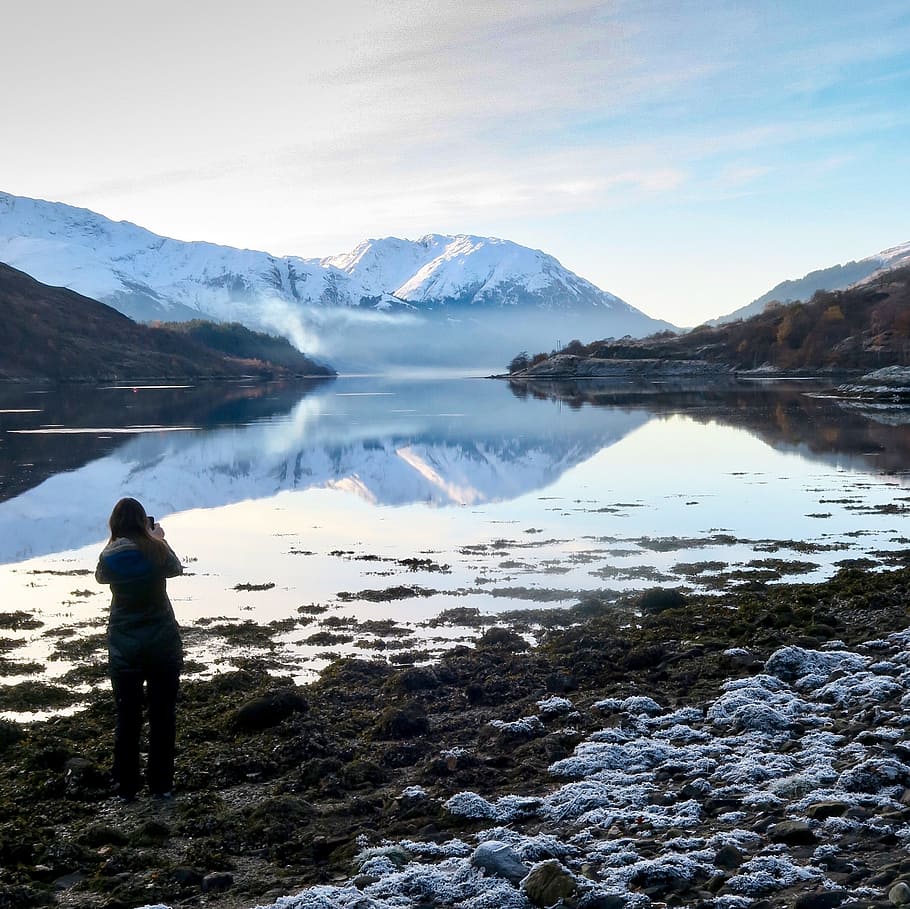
[[151, 519]]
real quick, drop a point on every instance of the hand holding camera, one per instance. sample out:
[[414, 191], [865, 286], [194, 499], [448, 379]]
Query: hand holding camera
[[155, 529]]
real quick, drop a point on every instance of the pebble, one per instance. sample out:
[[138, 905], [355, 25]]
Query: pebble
[[899, 894]]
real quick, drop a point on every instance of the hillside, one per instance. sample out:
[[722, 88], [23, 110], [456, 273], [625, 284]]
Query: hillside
[[862, 328], [836, 277], [54, 333], [235, 340]]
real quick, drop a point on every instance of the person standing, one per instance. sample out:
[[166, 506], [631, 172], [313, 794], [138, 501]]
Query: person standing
[[145, 652]]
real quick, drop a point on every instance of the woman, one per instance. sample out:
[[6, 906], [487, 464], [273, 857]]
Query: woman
[[144, 646]]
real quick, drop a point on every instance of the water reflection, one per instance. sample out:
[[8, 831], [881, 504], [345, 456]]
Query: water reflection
[[392, 442], [786, 415], [29, 456]]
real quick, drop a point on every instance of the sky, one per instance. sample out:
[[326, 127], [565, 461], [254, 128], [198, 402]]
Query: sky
[[686, 156]]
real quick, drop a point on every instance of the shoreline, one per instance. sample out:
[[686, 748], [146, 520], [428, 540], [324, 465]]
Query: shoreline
[[281, 787]]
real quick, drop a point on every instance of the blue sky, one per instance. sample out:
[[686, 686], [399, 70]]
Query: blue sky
[[684, 155]]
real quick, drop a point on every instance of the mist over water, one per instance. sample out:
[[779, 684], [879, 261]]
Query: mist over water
[[355, 339]]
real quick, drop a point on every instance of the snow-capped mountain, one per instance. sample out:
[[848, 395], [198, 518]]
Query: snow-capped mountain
[[469, 270], [837, 277], [150, 277]]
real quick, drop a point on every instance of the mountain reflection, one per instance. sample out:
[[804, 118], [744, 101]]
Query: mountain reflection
[[441, 443], [28, 457]]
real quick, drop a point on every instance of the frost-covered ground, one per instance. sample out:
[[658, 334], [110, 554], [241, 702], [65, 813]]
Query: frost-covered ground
[[790, 784]]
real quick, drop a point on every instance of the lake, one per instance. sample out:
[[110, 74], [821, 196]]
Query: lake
[[382, 515]]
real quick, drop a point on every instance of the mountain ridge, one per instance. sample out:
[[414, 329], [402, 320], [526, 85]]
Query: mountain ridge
[[150, 277], [835, 277]]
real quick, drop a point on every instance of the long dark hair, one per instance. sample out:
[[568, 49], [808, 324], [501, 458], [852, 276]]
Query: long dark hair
[[128, 519]]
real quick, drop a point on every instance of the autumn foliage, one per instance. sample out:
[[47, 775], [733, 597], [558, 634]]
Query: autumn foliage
[[864, 327]]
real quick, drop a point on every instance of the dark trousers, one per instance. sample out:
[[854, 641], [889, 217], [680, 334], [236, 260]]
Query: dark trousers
[[161, 684]]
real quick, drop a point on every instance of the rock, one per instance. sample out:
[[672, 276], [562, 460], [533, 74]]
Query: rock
[[658, 599], [80, 773], [187, 877], [602, 901], [151, 833], [10, 734], [401, 723], [69, 880], [740, 658], [793, 833], [499, 859], [364, 880], [503, 639], [269, 710], [548, 882], [899, 894], [883, 878], [821, 810], [822, 899], [103, 835], [728, 857], [217, 882], [418, 678]]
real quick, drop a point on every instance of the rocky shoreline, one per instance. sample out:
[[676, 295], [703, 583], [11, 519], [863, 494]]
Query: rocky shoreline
[[748, 749], [891, 383], [568, 366]]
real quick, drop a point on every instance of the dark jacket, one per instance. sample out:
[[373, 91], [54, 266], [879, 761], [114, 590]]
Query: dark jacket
[[142, 629]]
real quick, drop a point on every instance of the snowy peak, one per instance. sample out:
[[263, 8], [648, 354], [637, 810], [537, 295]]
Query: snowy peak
[[837, 277], [322, 304], [466, 269]]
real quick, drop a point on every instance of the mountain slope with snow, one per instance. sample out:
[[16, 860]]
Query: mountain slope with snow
[[440, 278], [837, 277]]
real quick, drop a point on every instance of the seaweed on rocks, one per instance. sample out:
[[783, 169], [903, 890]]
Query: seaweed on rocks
[[658, 750]]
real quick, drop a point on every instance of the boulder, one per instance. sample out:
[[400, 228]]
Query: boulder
[[728, 857], [499, 859], [217, 882], [269, 710], [819, 811], [548, 882], [793, 833], [401, 723], [821, 899]]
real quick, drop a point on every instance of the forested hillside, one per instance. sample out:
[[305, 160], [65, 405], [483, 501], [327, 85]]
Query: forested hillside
[[236, 340], [55, 333], [864, 327]]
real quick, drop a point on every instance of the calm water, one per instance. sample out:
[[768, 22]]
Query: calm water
[[506, 498]]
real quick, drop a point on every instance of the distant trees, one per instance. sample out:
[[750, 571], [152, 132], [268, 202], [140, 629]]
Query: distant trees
[[864, 327], [519, 362]]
